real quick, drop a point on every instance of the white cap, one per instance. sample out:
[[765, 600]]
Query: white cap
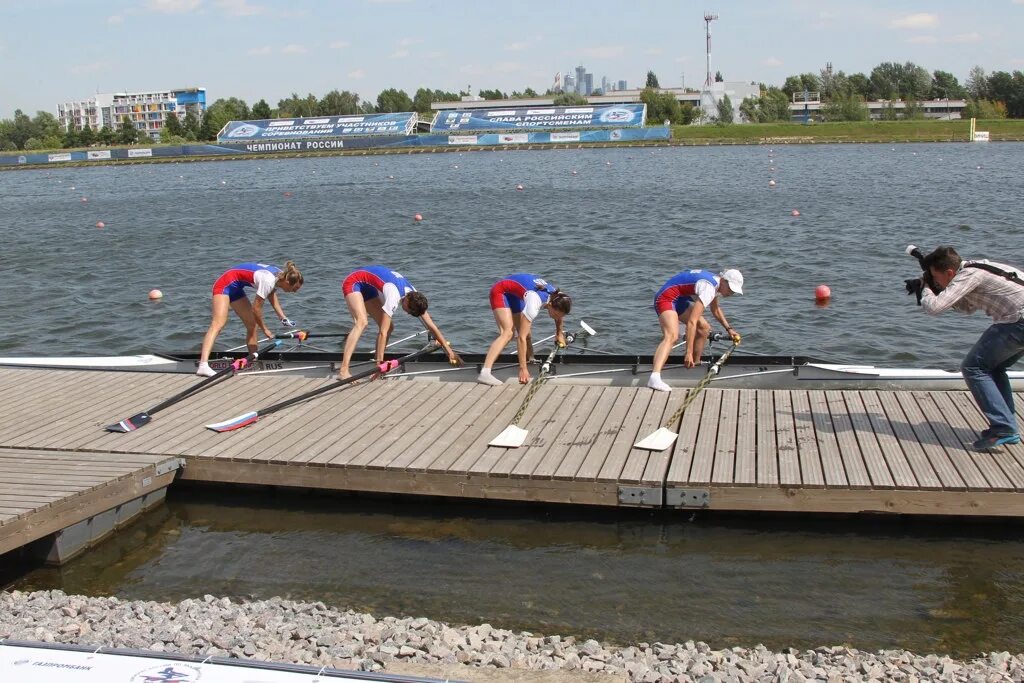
[[735, 280]]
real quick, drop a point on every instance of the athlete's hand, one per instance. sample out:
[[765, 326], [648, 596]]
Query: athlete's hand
[[285, 322], [455, 359], [735, 336], [688, 360], [524, 376], [268, 334], [560, 340]]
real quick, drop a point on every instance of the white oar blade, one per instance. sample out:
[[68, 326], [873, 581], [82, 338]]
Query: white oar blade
[[511, 437], [657, 441], [235, 422], [587, 328]]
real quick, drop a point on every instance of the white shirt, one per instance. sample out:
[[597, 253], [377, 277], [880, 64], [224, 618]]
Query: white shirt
[[264, 281], [391, 296]]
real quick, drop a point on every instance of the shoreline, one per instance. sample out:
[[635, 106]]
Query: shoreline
[[284, 631]]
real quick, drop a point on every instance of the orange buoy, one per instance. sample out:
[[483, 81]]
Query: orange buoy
[[155, 294], [822, 292], [100, 224], [417, 217], [287, 194]]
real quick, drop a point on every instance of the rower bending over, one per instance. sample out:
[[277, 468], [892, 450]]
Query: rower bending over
[[682, 300], [229, 290], [515, 302], [377, 291]]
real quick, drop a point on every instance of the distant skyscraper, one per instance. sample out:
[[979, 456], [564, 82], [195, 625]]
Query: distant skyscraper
[[569, 83], [581, 76], [622, 85], [605, 84], [588, 80]]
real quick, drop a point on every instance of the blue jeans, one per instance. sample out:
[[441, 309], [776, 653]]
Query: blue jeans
[[984, 370]]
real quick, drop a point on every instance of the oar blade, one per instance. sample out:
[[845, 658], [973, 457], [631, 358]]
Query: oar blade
[[130, 424], [658, 440], [510, 437], [235, 423], [587, 328]]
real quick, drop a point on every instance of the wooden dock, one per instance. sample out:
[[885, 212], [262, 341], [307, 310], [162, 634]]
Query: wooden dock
[[739, 449]]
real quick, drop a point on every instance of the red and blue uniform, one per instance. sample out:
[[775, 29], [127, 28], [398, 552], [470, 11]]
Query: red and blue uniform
[[233, 282], [374, 281], [682, 290], [522, 293]]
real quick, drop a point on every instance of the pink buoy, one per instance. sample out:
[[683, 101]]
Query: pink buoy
[[287, 194], [519, 187], [771, 183], [574, 172], [822, 292], [85, 199], [794, 212], [100, 224], [155, 294], [417, 217]]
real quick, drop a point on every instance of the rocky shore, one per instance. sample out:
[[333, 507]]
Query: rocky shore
[[313, 633]]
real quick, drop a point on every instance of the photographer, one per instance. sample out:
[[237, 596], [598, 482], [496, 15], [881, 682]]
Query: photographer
[[996, 289]]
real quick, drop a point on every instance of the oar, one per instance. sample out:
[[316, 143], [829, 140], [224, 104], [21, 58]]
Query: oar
[[514, 436], [378, 369], [142, 419], [665, 437], [301, 335]]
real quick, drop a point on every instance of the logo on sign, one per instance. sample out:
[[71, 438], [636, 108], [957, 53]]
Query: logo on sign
[[177, 673], [22, 159], [615, 134], [246, 130], [616, 116]]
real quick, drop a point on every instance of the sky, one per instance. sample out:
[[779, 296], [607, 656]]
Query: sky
[[59, 50]]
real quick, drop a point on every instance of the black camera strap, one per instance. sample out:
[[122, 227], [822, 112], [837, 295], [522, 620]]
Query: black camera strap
[[996, 270]]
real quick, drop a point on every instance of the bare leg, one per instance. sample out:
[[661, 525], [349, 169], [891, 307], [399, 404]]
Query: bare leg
[[703, 332], [669, 321], [503, 317], [219, 308], [243, 308], [357, 308]]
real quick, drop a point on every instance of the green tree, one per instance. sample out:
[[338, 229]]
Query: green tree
[[530, 93], [977, 83], [22, 129], [87, 136], [190, 124], [912, 109], [367, 108], [718, 77], [337, 103], [208, 129], [571, 99], [889, 112], [652, 81], [298, 106], [846, 108], [261, 110], [392, 100], [493, 94], [7, 145], [106, 135], [172, 126], [220, 112], [661, 106], [726, 113], [945, 85], [70, 138], [859, 84], [127, 133], [33, 143], [771, 105], [1009, 89], [45, 125]]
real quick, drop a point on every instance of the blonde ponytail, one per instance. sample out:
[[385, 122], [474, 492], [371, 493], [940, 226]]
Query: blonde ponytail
[[290, 274]]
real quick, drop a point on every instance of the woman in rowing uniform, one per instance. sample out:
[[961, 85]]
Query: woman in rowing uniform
[[376, 291], [515, 302], [682, 300], [229, 290]]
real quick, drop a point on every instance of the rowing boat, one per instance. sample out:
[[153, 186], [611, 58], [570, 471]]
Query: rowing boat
[[573, 366]]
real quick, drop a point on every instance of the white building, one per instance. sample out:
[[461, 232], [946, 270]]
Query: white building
[[146, 110]]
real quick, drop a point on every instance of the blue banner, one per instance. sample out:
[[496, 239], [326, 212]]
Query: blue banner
[[319, 127], [539, 118]]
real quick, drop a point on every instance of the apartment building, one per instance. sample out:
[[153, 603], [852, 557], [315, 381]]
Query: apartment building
[[146, 110]]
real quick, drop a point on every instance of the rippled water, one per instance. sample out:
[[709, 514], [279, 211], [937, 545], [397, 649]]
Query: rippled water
[[623, 576], [610, 235]]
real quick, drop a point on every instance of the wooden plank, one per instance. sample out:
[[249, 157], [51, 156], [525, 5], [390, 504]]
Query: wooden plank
[[849, 446], [746, 438], [683, 449], [658, 462], [767, 446], [628, 434], [597, 432], [660, 408], [878, 471], [828, 447], [967, 421], [378, 413], [386, 426], [923, 435], [724, 469], [707, 435], [895, 420], [573, 432], [429, 407], [806, 442], [447, 423], [558, 436], [969, 465], [457, 454], [500, 461]]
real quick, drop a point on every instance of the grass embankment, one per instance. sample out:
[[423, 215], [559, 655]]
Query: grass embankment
[[847, 131]]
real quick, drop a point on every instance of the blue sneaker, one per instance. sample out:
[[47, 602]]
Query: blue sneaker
[[987, 443]]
